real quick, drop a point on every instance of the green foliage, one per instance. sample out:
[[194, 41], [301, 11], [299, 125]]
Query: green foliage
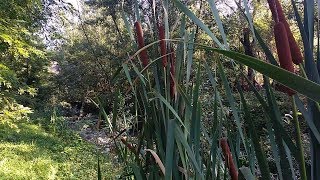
[[8, 78], [19, 20], [22, 58], [88, 57], [182, 107], [10, 110]]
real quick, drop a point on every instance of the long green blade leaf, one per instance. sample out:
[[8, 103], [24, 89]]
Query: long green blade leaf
[[291, 80]]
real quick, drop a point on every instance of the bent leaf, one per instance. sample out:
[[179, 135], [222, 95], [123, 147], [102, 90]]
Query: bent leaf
[[291, 80]]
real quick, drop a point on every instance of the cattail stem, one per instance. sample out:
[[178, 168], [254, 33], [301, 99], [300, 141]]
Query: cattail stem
[[302, 166], [303, 71], [294, 48]]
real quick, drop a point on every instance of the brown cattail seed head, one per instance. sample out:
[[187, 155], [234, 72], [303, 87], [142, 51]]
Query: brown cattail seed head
[[143, 53], [283, 50], [163, 48], [228, 157], [272, 6], [294, 48]]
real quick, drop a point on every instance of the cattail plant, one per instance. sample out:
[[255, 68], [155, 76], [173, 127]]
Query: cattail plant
[[143, 53], [282, 44], [284, 41], [163, 46], [295, 50], [278, 15]]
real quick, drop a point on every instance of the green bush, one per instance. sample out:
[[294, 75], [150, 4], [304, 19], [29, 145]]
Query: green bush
[[10, 110]]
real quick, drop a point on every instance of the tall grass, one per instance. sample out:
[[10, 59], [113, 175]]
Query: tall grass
[[176, 142]]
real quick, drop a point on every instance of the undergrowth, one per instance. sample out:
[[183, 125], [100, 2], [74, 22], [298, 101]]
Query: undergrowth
[[48, 151]]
